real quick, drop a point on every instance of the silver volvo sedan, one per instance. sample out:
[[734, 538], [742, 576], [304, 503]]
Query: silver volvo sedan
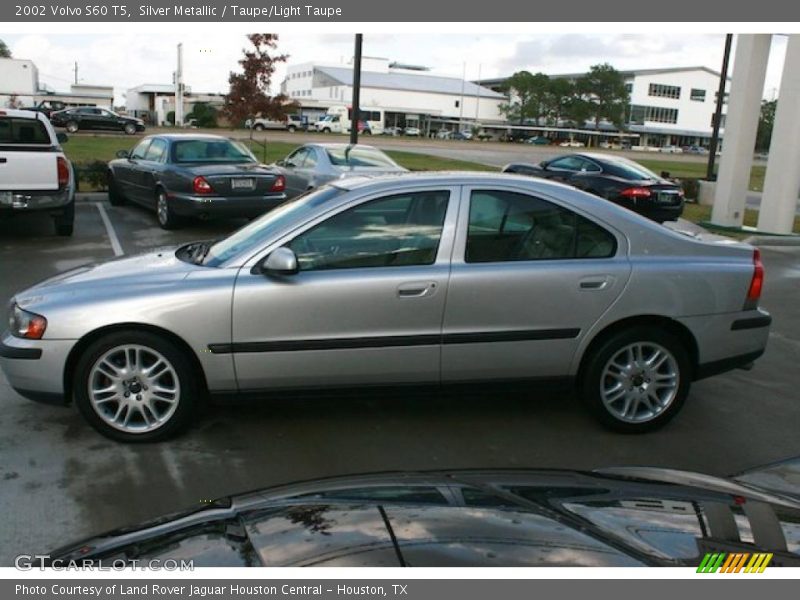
[[432, 279]]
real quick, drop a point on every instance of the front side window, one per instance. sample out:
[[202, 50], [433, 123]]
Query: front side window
[[394, 231], [140, 149], [508, 226]]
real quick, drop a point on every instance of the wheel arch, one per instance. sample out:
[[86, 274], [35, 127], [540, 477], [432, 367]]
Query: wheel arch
[[91, 337], [661, 322]]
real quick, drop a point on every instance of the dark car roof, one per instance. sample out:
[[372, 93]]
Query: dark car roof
[[188, 136]]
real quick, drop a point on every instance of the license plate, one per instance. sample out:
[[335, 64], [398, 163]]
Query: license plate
[[243, 184], [667, 198], [6, 198]]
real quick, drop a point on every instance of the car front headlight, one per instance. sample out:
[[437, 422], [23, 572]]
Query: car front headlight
[[24, 324]]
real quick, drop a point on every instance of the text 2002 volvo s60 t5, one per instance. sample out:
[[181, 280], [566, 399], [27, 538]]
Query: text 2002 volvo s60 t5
[[426, 279]]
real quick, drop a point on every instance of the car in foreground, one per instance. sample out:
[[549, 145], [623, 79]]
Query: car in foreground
[[93, 118], [313, 165], [35, 174], [614, 517], [190, 175], [620, 180], [427, 279]]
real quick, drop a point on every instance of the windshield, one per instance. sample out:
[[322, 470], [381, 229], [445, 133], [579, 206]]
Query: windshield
[[210, 151], [257, 233], [347, 156]]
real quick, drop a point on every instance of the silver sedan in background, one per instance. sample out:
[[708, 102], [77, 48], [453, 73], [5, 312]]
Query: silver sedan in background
[[435, 279], [313, 165]]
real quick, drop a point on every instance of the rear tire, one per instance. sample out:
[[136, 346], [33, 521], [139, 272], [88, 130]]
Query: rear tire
[[258, 127], [115, 197], [156, 375], [636, 380], [167, 218], [129, 129], [292, 128], [65, 222]]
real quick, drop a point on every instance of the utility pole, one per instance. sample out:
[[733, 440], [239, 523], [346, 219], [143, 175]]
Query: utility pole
[[75, 70], [478, 96], [356, 109], [723, 80], [179, 89], [461, 102]]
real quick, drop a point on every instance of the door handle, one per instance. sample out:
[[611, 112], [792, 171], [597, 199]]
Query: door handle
[[595, 283], [417, 289]]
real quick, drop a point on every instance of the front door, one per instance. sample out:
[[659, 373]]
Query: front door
[[529, 278], [365, 307]]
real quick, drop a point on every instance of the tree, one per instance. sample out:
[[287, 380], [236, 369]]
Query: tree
[[560, 93], [249, 90], [204, 114], [528, 94], [603, 89], [765, 122], [4, 51]]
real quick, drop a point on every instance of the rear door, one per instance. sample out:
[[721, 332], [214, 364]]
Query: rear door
[[529, 278], [27, 155], [297, 179], [126, 170]]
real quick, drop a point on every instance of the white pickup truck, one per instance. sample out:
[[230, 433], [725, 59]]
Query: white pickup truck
[[35, 176]]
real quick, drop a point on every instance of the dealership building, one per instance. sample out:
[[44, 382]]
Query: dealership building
[[409, 95], [668, 107]]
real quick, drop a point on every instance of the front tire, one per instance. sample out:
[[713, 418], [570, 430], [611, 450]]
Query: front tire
[[167, 218], [129, 129], [636, 380], [65, 222], [72, 126], [135, 386], [258, 127]]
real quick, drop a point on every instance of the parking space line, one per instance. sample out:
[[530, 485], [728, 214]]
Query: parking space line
[[112, 235]]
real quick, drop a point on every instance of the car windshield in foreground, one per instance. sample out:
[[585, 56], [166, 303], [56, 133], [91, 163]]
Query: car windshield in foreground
[[631, 170], [255, 234], [348, 156], [210, 151]]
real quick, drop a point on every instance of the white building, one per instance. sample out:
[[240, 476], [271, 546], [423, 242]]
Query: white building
[[407, 94], [18, 79], [670, 106]]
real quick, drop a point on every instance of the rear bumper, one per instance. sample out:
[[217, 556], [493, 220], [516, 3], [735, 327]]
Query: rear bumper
[[728, 341], [35, 368], [220, 206], [34, 201]]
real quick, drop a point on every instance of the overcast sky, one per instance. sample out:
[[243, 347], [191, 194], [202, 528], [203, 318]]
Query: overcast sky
[[128, 60]]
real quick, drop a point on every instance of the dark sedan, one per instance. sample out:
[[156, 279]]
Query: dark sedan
[[185, 175], [91, 117], [614, 178], [617, 517]]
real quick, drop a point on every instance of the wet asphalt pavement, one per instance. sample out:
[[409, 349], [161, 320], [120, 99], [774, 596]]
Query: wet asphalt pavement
[[59, 480]]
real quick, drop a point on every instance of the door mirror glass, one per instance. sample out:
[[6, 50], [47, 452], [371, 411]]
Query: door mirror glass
[[281, 163], [123, 154], [282, 261]]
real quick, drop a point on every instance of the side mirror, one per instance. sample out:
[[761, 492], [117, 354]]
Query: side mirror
[[282, 261], [280, 163], [62, 137], [123, 154]]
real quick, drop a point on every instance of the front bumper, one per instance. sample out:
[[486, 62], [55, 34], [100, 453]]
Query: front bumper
[[34, 201], [221, 206], [35, 368]]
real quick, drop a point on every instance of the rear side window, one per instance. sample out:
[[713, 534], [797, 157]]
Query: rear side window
[[23, 131], [156, 151], [507, 226]]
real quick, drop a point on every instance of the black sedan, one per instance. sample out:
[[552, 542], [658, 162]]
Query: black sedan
[[183, 175], [614, 178], [91, 117], [616, 517]]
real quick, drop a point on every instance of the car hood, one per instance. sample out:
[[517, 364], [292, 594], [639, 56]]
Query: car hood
[[158, 266]]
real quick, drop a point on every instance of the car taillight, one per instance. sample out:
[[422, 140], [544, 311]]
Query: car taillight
[[635, 192], [63, 171], [757, 282], [279, 184], [201, 186]]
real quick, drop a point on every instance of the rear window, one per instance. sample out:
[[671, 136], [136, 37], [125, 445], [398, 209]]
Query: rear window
[[627, 169], [358, 157], [208, 151], [23, 131]]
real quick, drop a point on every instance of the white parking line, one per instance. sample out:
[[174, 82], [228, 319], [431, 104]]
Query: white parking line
[[112, 235]]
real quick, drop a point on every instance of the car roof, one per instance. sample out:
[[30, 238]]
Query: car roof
[[19, 113], [189, 136], [338, 146]]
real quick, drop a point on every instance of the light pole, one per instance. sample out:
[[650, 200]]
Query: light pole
[[354, 119], [723, 80]]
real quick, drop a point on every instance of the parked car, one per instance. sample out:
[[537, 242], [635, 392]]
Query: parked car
[[190, 175], [468, 518], [46, 107], [35, 174], [618, 179], [517, 135], [291, 123], [412, 131], [462, 135], [696, 150], [671, 149], [90, 117], [427, 279], [572, 144], [313, 165], [539, 140]]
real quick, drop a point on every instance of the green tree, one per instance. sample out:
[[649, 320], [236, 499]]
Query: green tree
[[527, 97], [249, 90], [205, 114], [560, 93], [4, 51], [603, 89], [765, 122]]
